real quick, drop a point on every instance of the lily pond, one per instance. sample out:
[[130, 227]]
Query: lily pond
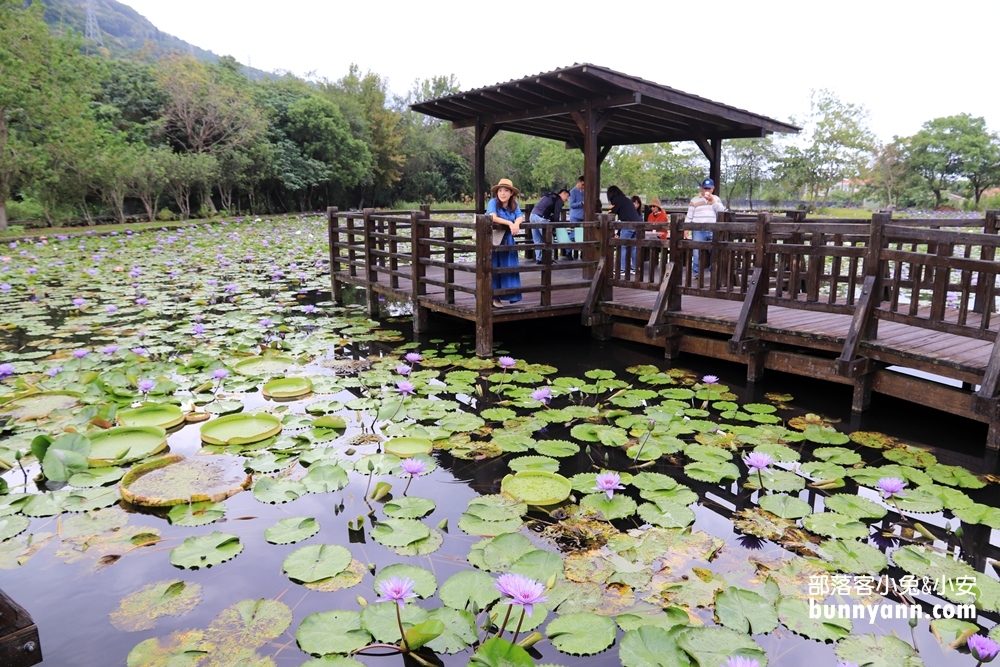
[[206, 463]]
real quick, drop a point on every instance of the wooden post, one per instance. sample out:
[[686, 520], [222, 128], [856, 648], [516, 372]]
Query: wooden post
[[873, 267], [678, 258], [418, 251], [352, 254], [484, 286], [548, 257], [604, 229], [988, 253], [371, 275], [393, 246], [762, 260], [715, 167], [484, 132], [333, 238]]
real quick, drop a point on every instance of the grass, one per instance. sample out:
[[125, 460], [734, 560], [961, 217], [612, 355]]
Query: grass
[[853, 213]]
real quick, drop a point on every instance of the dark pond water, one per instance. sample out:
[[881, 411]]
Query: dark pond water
[[71, 601]]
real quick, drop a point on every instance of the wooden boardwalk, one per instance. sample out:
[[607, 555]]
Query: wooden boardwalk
[[840, 301]]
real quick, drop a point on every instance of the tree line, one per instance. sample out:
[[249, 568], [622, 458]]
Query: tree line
[[89, 135]]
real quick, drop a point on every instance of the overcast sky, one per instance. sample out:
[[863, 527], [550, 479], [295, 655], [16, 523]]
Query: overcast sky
[[906, 61]]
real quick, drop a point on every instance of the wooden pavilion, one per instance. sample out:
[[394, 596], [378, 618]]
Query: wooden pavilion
[[594, 108]]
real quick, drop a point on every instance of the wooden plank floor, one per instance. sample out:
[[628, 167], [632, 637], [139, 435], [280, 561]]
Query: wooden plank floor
[[955, 356]]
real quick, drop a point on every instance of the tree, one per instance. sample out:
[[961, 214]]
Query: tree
[[149, 177], [746, 165], [186, 172], [888, 170], [837, 145], [948, 148], [204, 112], [653, 170], [43, 86]]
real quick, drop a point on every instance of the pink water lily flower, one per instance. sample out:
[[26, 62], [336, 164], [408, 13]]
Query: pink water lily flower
[[609, 482]]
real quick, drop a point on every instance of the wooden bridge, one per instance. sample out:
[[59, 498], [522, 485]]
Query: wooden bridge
[[838, 300]]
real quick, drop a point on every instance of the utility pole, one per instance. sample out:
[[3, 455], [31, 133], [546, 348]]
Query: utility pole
[[93, 31]]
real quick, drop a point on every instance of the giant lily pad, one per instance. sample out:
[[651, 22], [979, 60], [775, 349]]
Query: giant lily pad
[[125, 444], [316, 562], [162, 415], [406, 447], [582, 633], [268, 365], [39, 404], [537, 487], [240, 429], [287, 387], [175, 480], [141, 609]]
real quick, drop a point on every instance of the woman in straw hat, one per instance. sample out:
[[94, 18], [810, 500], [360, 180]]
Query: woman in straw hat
[[504, 210]]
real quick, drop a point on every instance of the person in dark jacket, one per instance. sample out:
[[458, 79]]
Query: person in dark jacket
[[626, 211], [548, 209]]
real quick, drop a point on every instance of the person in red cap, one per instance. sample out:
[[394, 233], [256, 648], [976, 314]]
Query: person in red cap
[[703, 208]]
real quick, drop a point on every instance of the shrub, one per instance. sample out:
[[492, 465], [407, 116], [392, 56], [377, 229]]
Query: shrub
[[28, 209], [165, 215]]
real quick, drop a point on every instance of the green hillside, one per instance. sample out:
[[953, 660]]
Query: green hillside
[[124, 31]]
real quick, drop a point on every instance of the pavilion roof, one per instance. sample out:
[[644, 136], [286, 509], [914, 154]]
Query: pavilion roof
[[633, 110]]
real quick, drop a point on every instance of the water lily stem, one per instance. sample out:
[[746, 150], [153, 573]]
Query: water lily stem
[[760, 479], [518, 630], [642, 444], [504, 624], [402, 633], [407, 488]]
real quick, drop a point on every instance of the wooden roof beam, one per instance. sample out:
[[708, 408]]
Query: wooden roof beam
[[554, 110]]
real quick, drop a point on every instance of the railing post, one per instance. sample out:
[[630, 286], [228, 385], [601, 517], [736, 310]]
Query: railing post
[[425, 209], [678, 258], [484, 285], [762, 261], [988, 253], [418, 251], [449, 260], [333, 238], [393, 246], [591, 253], [873, 258], [549, 255], [352, 255], [604, 229], [371, 274]]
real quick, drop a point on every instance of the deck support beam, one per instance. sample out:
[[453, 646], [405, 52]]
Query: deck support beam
[[484, 286], [333, 239], [371, 274]]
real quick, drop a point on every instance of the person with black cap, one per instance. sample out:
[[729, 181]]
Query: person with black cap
[[703, 208]]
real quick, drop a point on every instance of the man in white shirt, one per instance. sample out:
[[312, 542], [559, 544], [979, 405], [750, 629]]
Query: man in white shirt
[[703, 208]]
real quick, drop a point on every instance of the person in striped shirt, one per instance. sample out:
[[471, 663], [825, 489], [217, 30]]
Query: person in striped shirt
[[703, 209]]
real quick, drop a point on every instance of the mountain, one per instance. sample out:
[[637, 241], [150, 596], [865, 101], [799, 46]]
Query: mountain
[[124, 31]]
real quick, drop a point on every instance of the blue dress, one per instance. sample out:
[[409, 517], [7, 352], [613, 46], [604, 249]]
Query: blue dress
[[503, 259]]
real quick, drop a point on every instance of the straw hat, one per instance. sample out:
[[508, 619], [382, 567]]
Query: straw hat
[[656, 203], [505, 183]]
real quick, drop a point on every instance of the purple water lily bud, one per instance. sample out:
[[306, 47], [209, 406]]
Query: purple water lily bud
[[198, 329], [710, 379], [6, 370], [220, 373], [413, 357], [80, 354], [544, 395], [507, 362], [111, 309], [109, 349], [79, 302], [309, 308], [52, 372], [982, 648], [265, 322], [139, 351], [142, 301], [145, 386], [403, 369]]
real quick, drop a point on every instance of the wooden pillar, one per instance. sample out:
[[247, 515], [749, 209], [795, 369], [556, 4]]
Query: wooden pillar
[[484, 132], [333, 238], [715, 165], [983, 295], [418, 288], [371, 275], [484, 286]]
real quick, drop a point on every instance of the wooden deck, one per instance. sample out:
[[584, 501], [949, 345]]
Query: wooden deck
[[841, 301]]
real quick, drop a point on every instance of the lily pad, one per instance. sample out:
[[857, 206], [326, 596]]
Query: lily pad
[[854, 506], [161, 415], [787, 507], [39, 405], [409, 507], [275, 491], [794, 614], [332, 632], [545, 463], [745, 611], [206, 550], [877, 651], [582, 633], [286, 387], [125, 444], [406, 447], [399, 532], [618, 507], [425, 583], [537, 487], [240, 429], [469, 586], [316, 562], [11, 526], [853, 557], [291, 530], [140, 610], [832, 524], [176, 480], [196, 514]]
